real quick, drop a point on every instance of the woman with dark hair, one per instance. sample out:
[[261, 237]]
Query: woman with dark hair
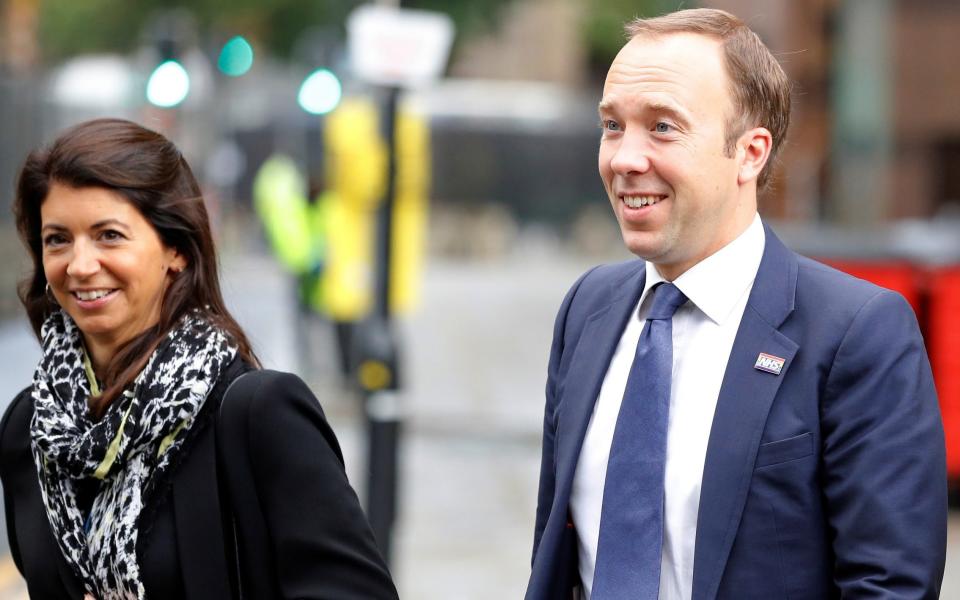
[[151, 457]]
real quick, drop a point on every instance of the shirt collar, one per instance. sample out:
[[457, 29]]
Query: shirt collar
[[716, 283]]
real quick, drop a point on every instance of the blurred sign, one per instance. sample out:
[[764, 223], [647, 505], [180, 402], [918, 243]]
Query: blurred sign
[[113, 89], [398, 47]]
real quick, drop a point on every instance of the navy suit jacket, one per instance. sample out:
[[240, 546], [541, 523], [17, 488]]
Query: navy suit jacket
[[827, 480]]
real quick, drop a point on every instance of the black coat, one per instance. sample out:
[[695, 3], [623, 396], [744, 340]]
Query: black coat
[[275, 507]]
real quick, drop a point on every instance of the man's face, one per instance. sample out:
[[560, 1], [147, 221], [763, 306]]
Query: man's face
[[675, 193]]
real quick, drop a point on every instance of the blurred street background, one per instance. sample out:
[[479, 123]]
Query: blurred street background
[[497, 209]]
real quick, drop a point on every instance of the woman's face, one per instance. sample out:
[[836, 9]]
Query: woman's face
[[105, 263]]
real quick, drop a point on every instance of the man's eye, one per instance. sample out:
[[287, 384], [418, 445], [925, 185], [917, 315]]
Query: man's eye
[[662, 127], [610, 125]]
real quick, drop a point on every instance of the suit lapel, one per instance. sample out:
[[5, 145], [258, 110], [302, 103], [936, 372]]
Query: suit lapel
[[598, 340], [742, 407]]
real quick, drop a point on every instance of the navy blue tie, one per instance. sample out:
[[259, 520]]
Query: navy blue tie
[[631, 520]]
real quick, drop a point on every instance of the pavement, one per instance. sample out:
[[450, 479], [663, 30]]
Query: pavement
[[475, 355]]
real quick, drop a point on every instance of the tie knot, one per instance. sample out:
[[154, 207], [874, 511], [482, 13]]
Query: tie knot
[[667, 298]]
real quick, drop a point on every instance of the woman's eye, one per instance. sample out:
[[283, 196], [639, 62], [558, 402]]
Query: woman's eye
[[662, 127], [54, 239], [111, 235]]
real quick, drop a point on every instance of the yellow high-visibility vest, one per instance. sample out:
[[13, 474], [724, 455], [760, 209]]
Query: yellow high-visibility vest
[[280, 199]]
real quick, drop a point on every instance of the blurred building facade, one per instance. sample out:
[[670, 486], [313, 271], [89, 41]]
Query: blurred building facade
[[537, 40], [876, 131], [875, 136], [901, 56]]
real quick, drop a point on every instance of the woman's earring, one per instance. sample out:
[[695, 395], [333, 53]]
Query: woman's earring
[[49, 293]]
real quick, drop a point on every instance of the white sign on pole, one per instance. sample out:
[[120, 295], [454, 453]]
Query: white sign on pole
[[397, 46]]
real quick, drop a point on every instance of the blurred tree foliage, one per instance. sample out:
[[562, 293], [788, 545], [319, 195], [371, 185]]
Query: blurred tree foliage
[[91, 26], [603, 25], [470, 16], [70, 27]]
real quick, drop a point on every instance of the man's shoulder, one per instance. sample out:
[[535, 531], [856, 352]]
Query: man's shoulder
[[816, 289], [616, 272], [600, 285], [835, 300], [823, 283], [608, 278]]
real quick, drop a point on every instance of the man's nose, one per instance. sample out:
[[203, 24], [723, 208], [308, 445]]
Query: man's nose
[[632, 156], [84, 260]]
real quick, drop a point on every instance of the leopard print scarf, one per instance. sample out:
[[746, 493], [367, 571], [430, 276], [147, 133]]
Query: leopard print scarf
[[128, 449]]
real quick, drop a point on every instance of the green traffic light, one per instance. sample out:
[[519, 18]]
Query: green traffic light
[[168, 85], [236, 58], [320, 92]]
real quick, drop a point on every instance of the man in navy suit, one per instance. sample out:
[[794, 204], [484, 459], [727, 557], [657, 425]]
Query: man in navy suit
[[799, 452]]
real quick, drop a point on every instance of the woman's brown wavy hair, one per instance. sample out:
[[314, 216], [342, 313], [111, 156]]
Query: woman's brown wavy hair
[[148, 170]]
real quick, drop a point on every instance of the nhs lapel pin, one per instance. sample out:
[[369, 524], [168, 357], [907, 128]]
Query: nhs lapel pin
[[769, 363]]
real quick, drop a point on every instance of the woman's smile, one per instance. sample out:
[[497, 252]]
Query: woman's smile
[[93, 299]]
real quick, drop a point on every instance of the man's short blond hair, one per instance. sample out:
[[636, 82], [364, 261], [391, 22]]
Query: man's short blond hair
[[760, 89]]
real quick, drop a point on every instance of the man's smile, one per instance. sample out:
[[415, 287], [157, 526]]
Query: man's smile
[[641, 200]]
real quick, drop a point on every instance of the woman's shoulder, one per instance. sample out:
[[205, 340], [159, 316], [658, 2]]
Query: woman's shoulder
[[16, 457], [260, 391], [266, 407], [15, 424]]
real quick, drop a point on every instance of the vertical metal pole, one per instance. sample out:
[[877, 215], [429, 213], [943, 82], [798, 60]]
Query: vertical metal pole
[[385, 216], [861, 145], [382, 405]]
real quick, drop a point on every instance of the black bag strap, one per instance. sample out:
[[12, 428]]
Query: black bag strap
[[203, 542], [229, 519]]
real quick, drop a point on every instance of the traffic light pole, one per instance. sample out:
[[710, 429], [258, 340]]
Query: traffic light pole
[[378, 366], [385, 216], [427, 37]]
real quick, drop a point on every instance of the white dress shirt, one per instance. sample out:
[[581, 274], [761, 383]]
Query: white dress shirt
[[703, 333]]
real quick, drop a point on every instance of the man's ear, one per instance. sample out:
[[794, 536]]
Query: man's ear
[[753, 152]]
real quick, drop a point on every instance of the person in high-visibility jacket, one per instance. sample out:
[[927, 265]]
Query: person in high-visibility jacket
[[296, 230], [330, 244], [293, 225]]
